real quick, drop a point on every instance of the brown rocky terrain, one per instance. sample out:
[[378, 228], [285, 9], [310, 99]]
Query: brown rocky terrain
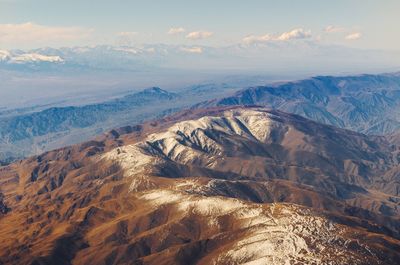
[[234, 185]]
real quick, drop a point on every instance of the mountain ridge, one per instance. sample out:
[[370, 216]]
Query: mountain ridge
[[365, 103]]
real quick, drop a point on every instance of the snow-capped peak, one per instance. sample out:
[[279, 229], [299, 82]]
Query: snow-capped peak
[[35, 57]]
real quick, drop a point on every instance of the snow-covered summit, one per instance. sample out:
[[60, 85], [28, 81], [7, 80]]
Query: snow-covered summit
[[18, 57], [35, 57]]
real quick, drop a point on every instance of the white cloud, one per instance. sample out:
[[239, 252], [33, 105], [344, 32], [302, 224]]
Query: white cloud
[[295, 34], [334, 29], [285, 36], [176, 31], [34, 34], [192, 49], [253, 39], [354, 36], [198, 35]]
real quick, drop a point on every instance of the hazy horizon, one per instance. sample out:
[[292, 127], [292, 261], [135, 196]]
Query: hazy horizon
[[56, 51]]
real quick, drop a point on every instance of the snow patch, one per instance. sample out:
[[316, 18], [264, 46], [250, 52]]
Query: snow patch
[[134, 163], [160, 197], [131, 158], [272, 233]]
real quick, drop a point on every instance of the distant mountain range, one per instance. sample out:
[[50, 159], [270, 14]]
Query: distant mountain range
[[64, 118], [224, 185], [366, 103], [269, 57]]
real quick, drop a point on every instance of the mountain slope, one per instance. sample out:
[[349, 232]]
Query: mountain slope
[[366, 103], [51, 120], [216, 186]]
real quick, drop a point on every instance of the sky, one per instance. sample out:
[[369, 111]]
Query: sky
[[364, 24]]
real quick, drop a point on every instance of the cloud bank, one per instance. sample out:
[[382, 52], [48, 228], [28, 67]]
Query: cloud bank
[[35, 34]]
